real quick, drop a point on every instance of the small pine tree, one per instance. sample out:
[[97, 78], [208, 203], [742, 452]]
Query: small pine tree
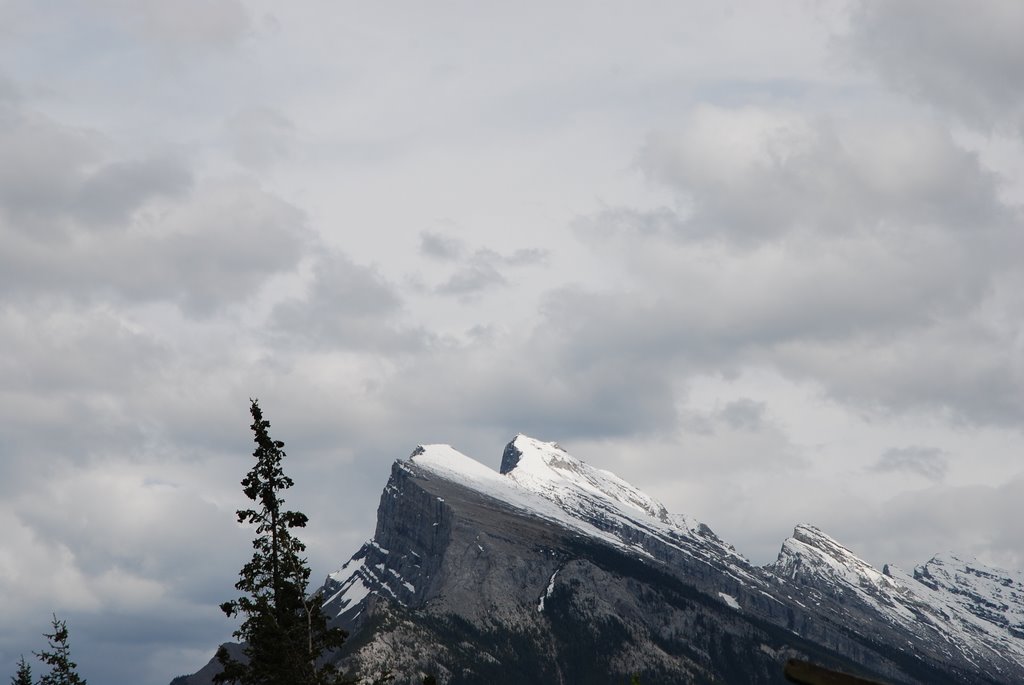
[[285, 633], [58, 658], [24, 674]]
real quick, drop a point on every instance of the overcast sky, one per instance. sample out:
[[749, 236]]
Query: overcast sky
[[763, 260]]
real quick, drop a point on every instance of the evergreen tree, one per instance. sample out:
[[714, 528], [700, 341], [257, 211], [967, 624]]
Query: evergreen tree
[[24, 674], [285, 633], [58, 658]]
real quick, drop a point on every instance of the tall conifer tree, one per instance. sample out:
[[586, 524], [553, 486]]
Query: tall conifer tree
[[58, 658], [285, 633], [24, 674]]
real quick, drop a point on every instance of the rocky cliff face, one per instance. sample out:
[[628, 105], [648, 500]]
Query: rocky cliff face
[[552, 571], [947, 610], [475, 587]]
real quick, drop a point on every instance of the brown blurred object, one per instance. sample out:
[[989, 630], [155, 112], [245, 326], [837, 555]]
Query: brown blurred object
[[806, 673]]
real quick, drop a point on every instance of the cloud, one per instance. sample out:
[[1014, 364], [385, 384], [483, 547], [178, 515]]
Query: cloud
[[969, 67], [961, 370], [743, 414], [111, 194], [966, 519], [481, 270], [472, 279], [9, 91], [63, 350], [906, 530], [188, 25], [871, 259], [122, 535], [42, 167], [527, 256], [78, 220], [260, 136], [348, 306], [929, 462], [752, 175], [217, 248], [440, 246], [525, 380], [113, 566]]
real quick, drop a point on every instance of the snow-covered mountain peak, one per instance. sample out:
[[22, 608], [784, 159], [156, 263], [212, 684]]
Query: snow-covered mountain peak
[[811, 552], [970, 566], [978, 611], [545, 480], [991, 594], [447, 461], [546, 468]]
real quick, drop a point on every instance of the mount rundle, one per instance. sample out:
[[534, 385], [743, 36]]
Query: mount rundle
[[552, 571]]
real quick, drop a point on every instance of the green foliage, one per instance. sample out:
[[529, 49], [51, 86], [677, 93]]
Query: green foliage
[[285, 632], [24, 674], [58, 658]]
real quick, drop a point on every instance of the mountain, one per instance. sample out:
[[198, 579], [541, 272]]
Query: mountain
[[552, 571], [961, 609]]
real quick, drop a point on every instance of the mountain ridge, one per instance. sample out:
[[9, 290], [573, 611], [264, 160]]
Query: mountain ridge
[[551, 570]]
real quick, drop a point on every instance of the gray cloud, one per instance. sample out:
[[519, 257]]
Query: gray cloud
[[216, 249], [527, 381], [847, 284], [189, 25], [734, 441], [911, 527], [9, 91], [221, 248], [111, 194], [123, 552], [260, 136], [929, 462], [930, 50], [42, 167], [752, 175], [76, 220], [472, 279], [743, 414], [348, 306], [527, 256], [440, 246], [957, 370], [825, 332], [970, 520], [54, 177], [65, 350], [72, 384], [480, 271]]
